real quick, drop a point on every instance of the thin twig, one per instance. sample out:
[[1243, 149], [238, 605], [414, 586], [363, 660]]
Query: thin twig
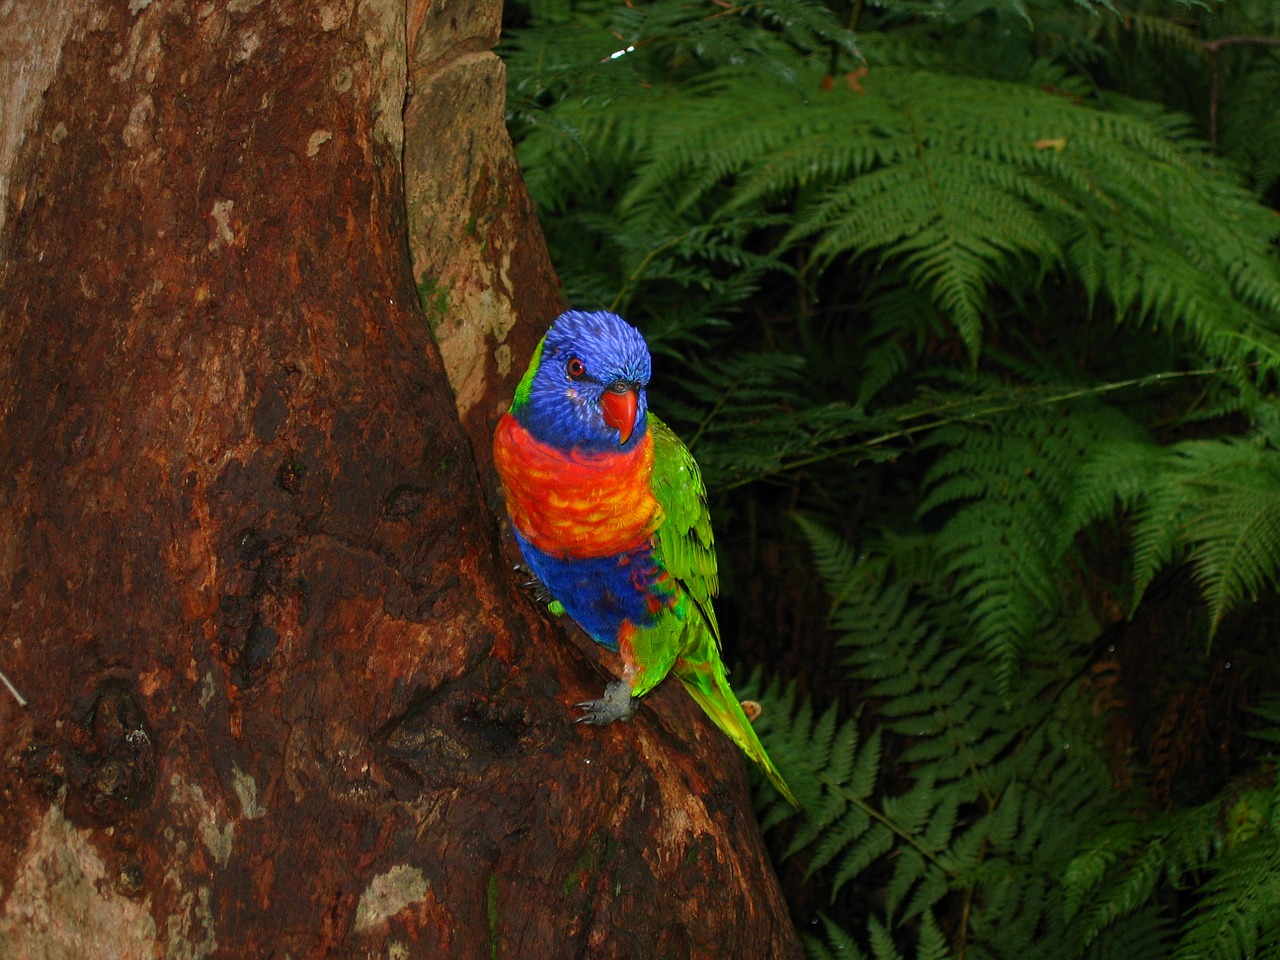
[[938, 416], [876, 814], [1214, 49], [1241, 41], [22, 702]]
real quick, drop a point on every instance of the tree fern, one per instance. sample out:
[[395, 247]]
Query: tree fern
[[1233, 842], [982, 784], [1240, 904], [1216, 503], [960, 292], [1144, 935], [931, 943], [964, 183], [839, 944], [1006, 483], [824, 756], [1011, 810], [1163, 53]]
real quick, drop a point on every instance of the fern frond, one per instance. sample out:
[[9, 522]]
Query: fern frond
[[1267, 708], [820, 757], [1240, 905], [1144, 935], [767, 391], [1117, 880], [983, 792], [1007, 483], [882, 945], [1233, 526], [1253, 146], [1162, 33], [1217, 503], [835, 560], [1116, 474], [932, 944], [964, 183], [839, 946]]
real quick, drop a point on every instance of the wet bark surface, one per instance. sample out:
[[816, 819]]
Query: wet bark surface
[[284, 696]]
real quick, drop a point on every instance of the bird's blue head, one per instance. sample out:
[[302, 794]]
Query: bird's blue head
[[585, 386]]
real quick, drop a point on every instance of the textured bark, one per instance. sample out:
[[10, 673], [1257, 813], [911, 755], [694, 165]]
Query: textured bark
[[284, 697], [479, 261]]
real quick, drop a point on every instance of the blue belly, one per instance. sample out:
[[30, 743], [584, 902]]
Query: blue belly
[[600, 593]]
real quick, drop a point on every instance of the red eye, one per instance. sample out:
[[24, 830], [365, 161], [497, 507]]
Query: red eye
[[576, 369]]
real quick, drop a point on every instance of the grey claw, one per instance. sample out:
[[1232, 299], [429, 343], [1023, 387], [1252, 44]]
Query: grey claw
[[535, 587], [616, 704]]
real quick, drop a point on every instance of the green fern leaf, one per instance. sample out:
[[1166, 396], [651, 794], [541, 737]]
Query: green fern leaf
[[1240, 909], [841, 945], [1215, 503], [1004, 542]]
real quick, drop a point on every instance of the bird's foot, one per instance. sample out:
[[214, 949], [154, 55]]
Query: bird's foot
[[535, 587], [616, 704]]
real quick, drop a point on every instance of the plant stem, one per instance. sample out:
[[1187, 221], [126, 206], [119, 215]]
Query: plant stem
[[875, 814], [939, 419], [12, 689]]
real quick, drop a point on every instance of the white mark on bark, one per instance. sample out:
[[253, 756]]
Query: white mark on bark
[[22, 701], [384, 36], [330, 18], [246, 789], [33, 37], [223, 236], [63, 902], [480, 309], [250, 41], [138, 129], [143, 51], [480, 312], [216, 832], [389, 893], [502, 357], [184, 943], [317, 140], [207, 688]]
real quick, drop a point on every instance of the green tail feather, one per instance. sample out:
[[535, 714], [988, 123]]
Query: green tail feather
[[708, 684], [687, 633]]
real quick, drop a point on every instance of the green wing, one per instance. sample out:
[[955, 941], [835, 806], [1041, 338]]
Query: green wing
[[684, 544], [682, 547], [690, 636]]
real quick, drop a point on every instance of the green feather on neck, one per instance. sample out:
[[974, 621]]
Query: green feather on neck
[[521, 397]]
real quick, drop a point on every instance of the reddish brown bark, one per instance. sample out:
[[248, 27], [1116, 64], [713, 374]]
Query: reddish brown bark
[[284, 697]]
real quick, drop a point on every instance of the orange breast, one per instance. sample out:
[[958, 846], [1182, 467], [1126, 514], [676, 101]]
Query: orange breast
[[573, 504]]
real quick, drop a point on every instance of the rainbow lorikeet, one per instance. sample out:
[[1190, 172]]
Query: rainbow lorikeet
[[610, 513]]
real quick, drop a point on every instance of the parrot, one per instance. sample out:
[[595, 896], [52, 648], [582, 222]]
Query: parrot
[[609, 511]]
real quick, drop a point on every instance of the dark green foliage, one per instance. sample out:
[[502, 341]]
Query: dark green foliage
[[985, 293], [1215, 504], [989, 802], [1007, 481], [1229, 849]]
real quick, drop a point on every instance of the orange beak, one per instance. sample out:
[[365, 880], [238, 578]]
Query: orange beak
[[620, 403]]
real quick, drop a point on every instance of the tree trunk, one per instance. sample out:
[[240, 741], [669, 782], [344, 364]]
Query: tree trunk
[[283, 696]]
